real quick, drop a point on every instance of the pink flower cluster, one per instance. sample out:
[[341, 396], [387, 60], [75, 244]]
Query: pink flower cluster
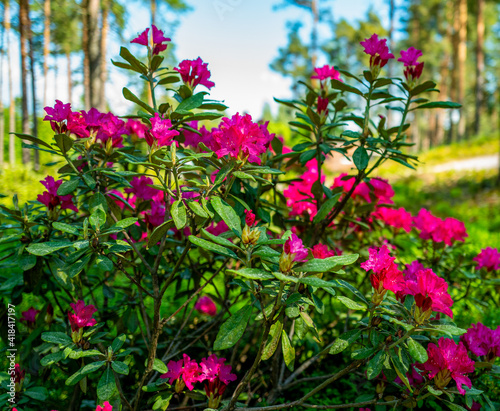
[[378, 188], [157, 39], [321, 251], [448, 361], [193, 139], [105, 407], [377, 50], [82, 316], [438, 230], [482, 341], [413, 68], [386, 275], [51, 199], [206, 306], [194, 72], [488, 258], [398, 218], [29, 316], [293, 251], [160, 133], [239, 137], [211, 371], [326, 72]]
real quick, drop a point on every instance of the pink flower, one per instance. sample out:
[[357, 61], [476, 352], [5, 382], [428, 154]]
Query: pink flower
[[194, 72], [249, 218], [475, 406], [448, 361], [158, 40], [141, 188], [382, 190], [205, 305], [488, 258], [240, 138], [412, 269], [58, 116], [18, 374], [29, 316], [413, 69], [50, 198], [432, 227], [294, 247], [216, 376], [430, 292], [160, 132], [193, 139], [325, 72], [105, 407], [397, 218], [111, 127], [83, 315], [482, 340], [322, 106], [299, 193], [377, 50], [321, 251], [386, 275], [135, 127], [414, 378], [186, 368], [378, 187], [217, 228]]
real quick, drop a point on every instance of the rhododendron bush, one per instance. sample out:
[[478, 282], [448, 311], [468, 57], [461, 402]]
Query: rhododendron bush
[[185, 259]]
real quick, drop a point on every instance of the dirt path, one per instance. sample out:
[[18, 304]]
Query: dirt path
[[475, 163]]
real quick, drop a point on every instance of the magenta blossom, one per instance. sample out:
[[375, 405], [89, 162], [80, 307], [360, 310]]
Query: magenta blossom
[[414, 378], [141, 188], [82, 316], [377, 50], [216, 376], [386, 275], [105, 407], [217, 228], [160, 132], [322, 106], [136, 128], [29, 316], [50, 198], [194, 72], [482, 341], [158, 39], [489, 258], [193, 139], [326, 72], [397, 218], [448, 361], [412, 269], [111, 128], [206, 306], [321, 251], [293, 251], [249, 218], [413, 68], [187, 369], [431, 294], [438, 230], [241, 138], [58, 116]]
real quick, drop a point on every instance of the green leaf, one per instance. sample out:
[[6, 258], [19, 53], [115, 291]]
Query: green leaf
[[243, 176], [89, 180], [417, 351], [421, 88], [288, 351], [93, 366], [56, 338], [78, 266], [118, 342], [218, 240], [339, 85], [318, 265], [223, 172], [272, 340], [178, 212], [37, 393], [233, 328], [106, 386], [169, 80], [216, 248], [197, 209], [159, 232], [454, 407], [65, 228], [104, 263], [64, 142], [68, 187], [134, 99], [360, 158], [440, 104], [341, 343], [285, 278], [75, 378], [450, 330], [52, 358], [400, 369], [126, 222], [252, 273], [32, 139], [315, 282], [190, 103], [159, 366], [41, 249], [136, 65], [375, 365], [227, 213], [87, 353], [120, 367], [325, 208]]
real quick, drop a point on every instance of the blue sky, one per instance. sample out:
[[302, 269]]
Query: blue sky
[[238, 38]]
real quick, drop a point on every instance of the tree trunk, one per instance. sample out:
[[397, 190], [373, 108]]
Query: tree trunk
[[392, 12], [70, 82], [12, 108], [23, 27], [36, 153], [479, 66], [2, 117], [461, 60], [46, 47], [153, 12], [94, 51], [103, 62], [86, 59]]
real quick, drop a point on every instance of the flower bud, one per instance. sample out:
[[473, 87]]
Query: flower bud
[[250, 235]]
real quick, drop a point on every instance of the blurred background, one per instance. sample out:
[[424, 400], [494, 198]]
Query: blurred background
[[257, 50]]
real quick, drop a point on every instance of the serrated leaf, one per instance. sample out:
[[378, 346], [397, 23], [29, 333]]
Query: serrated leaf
[[233, 328]]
